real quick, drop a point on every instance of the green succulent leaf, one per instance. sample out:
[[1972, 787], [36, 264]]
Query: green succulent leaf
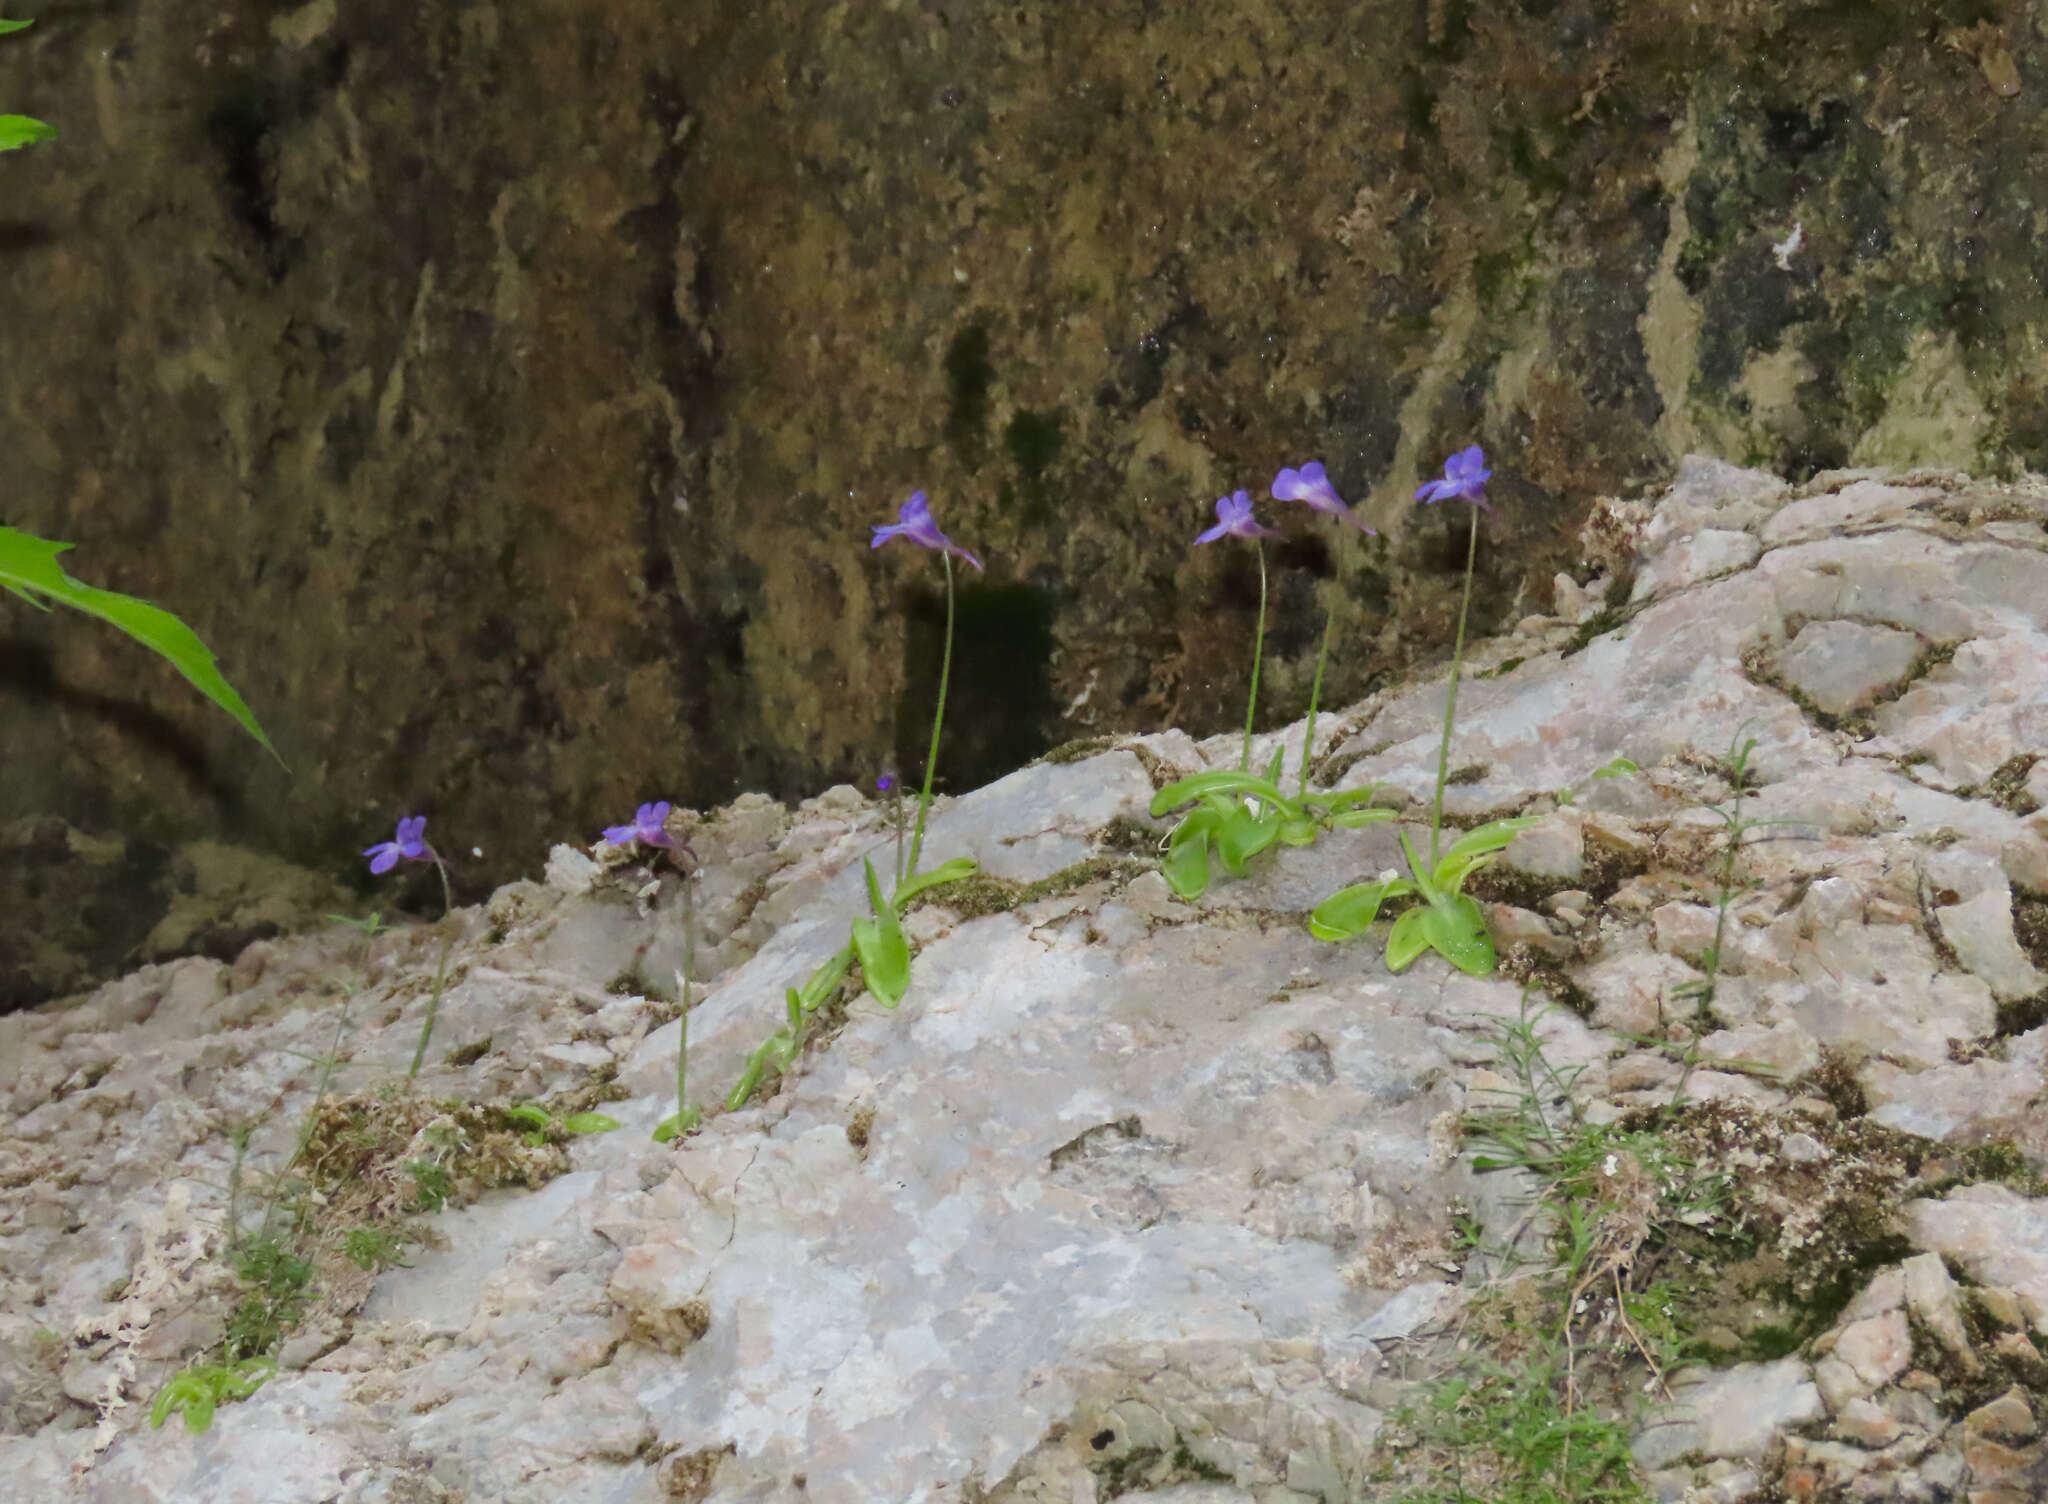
[[1349, 912], [170, 1397], [1343, 799], [945, 872], [530, 1114], [676, 1124], [1243, 834], [589, 1122], [1227, 783], [1468, 853], [884, 953], [1356, 819], [246, 1377], [1186, 868], [1407, 939], [750, 1077], [197, 1390], [820, 984], [1457, 932], [1425, 883], [1298, 832], [7, 26], [29, 568]]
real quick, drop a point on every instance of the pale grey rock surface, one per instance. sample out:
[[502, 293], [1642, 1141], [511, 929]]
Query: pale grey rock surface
[[1843, 665], [1125, 1179]]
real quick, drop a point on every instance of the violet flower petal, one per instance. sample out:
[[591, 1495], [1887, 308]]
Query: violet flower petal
[[1234, 517], [1465, 474], [651, 823], [914, 521], [1311, 484], [409, 843]]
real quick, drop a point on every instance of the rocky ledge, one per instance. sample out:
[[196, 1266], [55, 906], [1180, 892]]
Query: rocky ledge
[[1135, 1197]]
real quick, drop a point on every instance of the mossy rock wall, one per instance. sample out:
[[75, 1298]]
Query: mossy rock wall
[[504, 391]]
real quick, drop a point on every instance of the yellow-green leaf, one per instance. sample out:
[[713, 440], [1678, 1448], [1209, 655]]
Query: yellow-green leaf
[[29, 568]]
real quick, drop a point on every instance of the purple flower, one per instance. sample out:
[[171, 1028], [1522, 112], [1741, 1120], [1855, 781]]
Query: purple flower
[[914, 521], [385, 854], [1465, 473], [647, 827], [1234, 516], [1311, 485], [885, 783]]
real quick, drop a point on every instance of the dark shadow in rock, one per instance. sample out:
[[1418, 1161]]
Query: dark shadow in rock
[[999, 703]]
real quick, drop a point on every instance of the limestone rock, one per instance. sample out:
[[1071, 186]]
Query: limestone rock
[[1171, 1175], [1842, 666]]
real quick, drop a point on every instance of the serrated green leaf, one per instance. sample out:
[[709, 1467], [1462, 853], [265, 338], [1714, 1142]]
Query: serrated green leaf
[[29, 564]]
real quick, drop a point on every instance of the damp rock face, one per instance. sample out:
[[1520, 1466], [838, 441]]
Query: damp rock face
[[1132, 1192], [504, 395]]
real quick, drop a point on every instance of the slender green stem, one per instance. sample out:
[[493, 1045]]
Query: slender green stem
[[689, 975], [1251, 703], [440, 969], [311, 1126], [1315, 698], [896, 817], [1738, 761], [1443, 752], [931, 757]]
